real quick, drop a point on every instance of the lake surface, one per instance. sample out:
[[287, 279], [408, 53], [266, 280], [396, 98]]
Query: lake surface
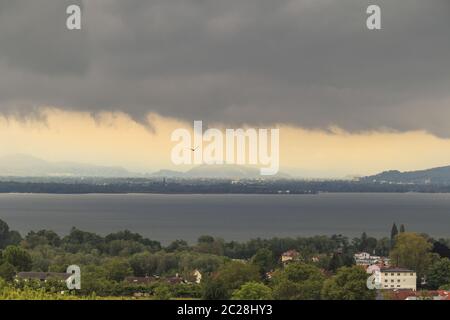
[[232, 217]]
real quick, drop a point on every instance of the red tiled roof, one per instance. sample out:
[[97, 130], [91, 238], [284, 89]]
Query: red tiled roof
[[403, 294], [291, 253]]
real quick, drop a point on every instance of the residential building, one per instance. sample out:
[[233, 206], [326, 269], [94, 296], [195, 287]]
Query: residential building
[[42, 276], [197, 276], [289, 256], [420, 295], [366, 259], [362, 256], [175, 280], [140, 280], [398, 278]]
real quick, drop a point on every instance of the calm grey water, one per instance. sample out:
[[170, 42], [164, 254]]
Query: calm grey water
[[232, 217]]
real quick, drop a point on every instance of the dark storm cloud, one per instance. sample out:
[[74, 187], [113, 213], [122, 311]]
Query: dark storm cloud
[[311, 63]]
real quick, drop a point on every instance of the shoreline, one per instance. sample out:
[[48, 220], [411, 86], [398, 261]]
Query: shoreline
[[221, 193]]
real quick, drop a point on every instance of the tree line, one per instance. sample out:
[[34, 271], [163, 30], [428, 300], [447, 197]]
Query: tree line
[[325, 268]]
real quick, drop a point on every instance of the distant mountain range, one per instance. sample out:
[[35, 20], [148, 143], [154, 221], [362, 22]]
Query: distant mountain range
[[219, 172], [25, 165], [29, 166], [440, 175]]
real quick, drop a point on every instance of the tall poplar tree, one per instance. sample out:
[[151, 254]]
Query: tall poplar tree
[[394, 233]]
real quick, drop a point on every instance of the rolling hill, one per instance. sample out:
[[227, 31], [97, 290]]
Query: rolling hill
[[440, 175]]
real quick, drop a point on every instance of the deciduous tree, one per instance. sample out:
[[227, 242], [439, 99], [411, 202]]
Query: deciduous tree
[[253, 291], [348, 284], [439, 274], [18, 257], [297, 281], [412, 251]]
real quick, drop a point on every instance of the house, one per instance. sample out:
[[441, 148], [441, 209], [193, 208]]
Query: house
[[385, 262], [373, 268], [365, 259], [398, 279], [442, 295], [42, 276], [289, 256], [198, 276], [175, 280], [362, 256], [140, 280], [420, 295]]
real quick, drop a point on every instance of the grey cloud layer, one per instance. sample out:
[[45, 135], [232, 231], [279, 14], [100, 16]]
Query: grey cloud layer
[[310, 63]]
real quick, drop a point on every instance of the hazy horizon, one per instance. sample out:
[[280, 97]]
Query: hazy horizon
[[12, 163]]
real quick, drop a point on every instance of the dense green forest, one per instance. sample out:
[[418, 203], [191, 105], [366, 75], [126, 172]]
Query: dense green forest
[[230, 270]]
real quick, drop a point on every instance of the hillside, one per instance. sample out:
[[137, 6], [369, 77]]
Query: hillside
[[440, 175]]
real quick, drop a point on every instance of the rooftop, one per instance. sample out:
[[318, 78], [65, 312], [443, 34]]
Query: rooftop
[[43, 275], [396, 270], [140, 279], [291, 253]]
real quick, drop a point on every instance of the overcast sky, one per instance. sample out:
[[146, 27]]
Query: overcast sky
[[308, 63]]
